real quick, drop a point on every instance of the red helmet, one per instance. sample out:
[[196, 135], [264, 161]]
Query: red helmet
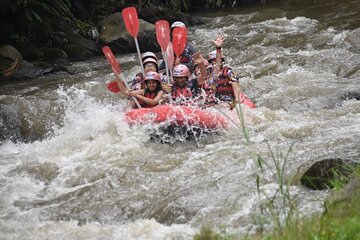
[[181, 71], [212, 56], [148, 55], [152, 76]]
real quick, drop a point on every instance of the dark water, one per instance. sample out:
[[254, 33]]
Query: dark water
[[74, 169]]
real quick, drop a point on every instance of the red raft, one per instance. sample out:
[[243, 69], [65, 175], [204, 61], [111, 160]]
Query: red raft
[[178, 115]]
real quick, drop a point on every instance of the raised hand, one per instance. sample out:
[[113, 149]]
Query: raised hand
[[218, 41], [198, 58]]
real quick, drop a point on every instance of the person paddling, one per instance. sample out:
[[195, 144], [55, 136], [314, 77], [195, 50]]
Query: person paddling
[[186, 57], [222, 76], [184, 90], [151, 95], [150, 64]]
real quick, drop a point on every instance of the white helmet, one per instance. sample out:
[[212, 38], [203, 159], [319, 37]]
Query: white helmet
[[148, 55], [178, 24]]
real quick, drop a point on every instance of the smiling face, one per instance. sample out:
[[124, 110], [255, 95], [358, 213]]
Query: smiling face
[[151, 84], [180, 81], [150, 67]]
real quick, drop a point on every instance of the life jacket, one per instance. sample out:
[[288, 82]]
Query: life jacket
[[184, 59], [150, 95], [224, 90], [209, 90], [183, 93]]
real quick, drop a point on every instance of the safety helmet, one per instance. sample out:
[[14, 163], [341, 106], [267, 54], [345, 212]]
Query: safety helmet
[[212, 56], [147, 60], [152, 76], [181, 71], [148, 55], [178, 24]]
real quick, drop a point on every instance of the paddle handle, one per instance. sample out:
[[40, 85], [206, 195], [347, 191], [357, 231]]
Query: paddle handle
[[166, 66]]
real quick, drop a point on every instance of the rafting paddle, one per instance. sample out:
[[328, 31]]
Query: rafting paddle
[[163, 38], [113, 86], [245, 100], [179, 41], [132, 26], [170, 57]]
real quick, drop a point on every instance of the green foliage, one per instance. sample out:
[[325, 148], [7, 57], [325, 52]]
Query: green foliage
[[220, 3], [339, 178], [325, 227], [215, 3], [206, 233]]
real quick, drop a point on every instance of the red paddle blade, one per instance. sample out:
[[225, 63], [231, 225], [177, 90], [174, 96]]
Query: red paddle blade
[[179, 40], [131, 20], [113, 87], [162, 33], [245, 100], [170, 55], [111, 59]]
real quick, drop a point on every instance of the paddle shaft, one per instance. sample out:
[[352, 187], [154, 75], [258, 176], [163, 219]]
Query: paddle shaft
[[166, 67], [139, 54]]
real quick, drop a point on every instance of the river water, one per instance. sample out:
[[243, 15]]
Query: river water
[[72, 168]]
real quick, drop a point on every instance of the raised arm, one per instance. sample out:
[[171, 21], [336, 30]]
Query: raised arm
[[199, 61], [120, 83], [218, 42]]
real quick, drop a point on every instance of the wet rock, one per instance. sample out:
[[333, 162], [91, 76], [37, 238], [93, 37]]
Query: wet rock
[[5, 64], [90, 46], [29, 51], [325, 173], [9, 52], [52, 53], [351, 95], [77, 52], [116, 36], [31, 70]]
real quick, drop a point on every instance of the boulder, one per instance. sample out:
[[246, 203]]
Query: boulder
[[115, 35], [327, 172], [52, 53], [31, 70], [78, 52], [9, 52]]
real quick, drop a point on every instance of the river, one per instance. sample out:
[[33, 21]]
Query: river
[[72, 168]]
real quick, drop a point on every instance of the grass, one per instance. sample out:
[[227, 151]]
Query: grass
[[340, 221]]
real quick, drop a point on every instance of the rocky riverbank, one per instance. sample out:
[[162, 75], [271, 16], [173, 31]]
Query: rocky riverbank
[[42, 36]]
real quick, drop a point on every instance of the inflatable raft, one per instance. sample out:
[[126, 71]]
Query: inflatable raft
[[178, 115]]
